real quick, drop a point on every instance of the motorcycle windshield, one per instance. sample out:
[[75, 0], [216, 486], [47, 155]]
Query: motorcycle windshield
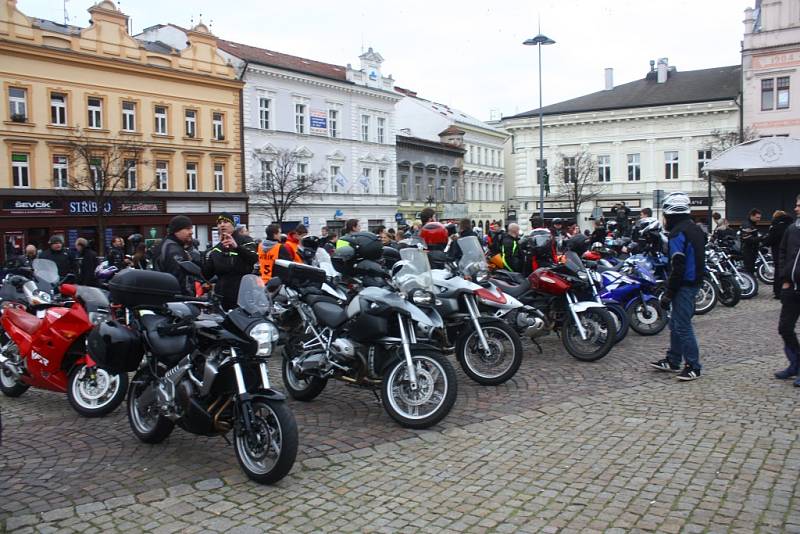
[[415, 272], [473, 260], [323, 260], [573, 262], [93, 298], [252, 295], [45, 270]]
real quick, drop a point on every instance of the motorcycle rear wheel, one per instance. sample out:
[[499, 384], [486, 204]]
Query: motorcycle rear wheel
[[148, 427], [600, 331], [729, 291], [621, 320], [268, 455], [499, 366], [706, 298], [436, 380], [304, 389], [98, 396]]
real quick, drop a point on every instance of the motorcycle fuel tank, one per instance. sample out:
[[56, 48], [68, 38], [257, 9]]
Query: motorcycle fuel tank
[[544, 280]]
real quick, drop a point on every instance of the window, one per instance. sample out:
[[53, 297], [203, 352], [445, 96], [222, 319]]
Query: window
[[454, 192], [366, 180], [634, 168], [19, 170], [18, 104], [219, 177], [492, 154], [365, 128], [767, 94], [300, 118], [381, 181], [404, 186], [263, 112], [129, 116], [430, 188], [60, 180], [480, 192], [219, 128], [540, 169], [162, 175], [266, 175], [58, 109], [130, 174], [161, 120], [333, 122], [381, 130], [301, 173], [96, 171], [334, 173], [95, 109], [418, 188], [570, 172], [783, 93], [671, 165], [703, 157], [604, 168], [190, 120], [191, 176], [441, 190]]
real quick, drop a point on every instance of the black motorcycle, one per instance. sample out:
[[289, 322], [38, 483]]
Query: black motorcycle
[[200, 368]]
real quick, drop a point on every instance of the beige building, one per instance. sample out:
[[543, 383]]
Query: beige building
[[771, 63], [99, 86]]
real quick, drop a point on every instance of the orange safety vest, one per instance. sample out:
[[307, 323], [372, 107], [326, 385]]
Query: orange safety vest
[[266, 261], [293, 249]]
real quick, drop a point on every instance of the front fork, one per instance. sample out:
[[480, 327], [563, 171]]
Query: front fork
[[404, 336], [572, 301], [244, 396], [474, 316]]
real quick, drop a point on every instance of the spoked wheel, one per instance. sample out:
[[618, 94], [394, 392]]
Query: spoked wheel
[[147, 424], [706, 297], [748, 284], [434, 396], [94, 392], [729, 291], [266, 454], [503, 359], [766, 272], [302, 388], [600, 334], [647, 317], [9, 384]]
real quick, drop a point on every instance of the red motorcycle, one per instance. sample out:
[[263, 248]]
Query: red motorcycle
[[47, 349]]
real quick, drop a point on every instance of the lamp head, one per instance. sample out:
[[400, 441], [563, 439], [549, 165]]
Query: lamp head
[[539, 40]]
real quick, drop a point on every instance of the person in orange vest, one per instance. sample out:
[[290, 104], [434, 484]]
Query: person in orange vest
[[293, 241], [272, 249]]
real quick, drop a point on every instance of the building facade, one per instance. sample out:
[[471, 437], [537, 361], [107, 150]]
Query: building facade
[[770, 59], [651, 134], [484, 187], [65, 85]]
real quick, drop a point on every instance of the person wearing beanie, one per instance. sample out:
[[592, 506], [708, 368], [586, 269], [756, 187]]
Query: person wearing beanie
[[229, 260], [687, 267], [175, 249], [58, 255]]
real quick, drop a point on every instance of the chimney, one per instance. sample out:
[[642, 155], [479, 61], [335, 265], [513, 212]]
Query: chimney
[[609, 79], [652, 65], [663, 69], [749, 20]]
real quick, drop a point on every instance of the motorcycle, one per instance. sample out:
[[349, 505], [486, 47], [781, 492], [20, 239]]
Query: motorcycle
[[200, 368], [765, 268], [722, 262], [371, 342], [587, 329], [707, 293], [44, 346], [634, 286], [728, 289]]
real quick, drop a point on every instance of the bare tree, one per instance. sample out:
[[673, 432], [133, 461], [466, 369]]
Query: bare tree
[[578, 180], [282, 178], [722, 140], [106, 169]]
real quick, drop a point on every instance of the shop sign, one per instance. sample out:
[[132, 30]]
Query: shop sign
[[86, 207], [455, 211], [698, 201], [141, 208], [30, 206]]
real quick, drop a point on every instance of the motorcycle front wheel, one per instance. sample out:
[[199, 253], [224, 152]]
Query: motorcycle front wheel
[[434, 396], [306, 388], [647, 317], [748, 284], [94, 392], [147, 424], [600, 334], [267, 453], [766, 272], [503, 360], [706, 298], [729, 291]]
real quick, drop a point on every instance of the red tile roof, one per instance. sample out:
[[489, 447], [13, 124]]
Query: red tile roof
[[270, 58]]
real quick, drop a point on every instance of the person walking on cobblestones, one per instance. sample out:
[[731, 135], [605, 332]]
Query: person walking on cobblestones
[[789, 273], [687, 265]]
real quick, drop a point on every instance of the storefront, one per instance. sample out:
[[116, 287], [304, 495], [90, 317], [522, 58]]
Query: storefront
[[34, 218]]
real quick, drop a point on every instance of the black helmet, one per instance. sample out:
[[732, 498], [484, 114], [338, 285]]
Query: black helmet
[[135, 239], [343, 259], [115, 347], [367, 245], [310, 242], [557, 220], [390, 256]]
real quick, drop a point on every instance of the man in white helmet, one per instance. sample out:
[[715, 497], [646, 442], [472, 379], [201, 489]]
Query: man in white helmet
[[687, 266]]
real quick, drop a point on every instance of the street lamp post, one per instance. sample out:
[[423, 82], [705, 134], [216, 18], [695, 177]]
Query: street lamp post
[[538, 41]]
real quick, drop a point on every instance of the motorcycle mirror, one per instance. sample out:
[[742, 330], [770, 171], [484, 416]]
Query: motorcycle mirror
[[68, 290], [274, 284]]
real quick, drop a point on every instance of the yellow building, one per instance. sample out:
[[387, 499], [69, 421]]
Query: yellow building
[[65, 86]]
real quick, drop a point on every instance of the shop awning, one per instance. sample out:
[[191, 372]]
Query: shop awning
[[772, 157]]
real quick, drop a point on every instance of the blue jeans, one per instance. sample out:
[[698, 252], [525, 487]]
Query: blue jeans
[[682, 343]]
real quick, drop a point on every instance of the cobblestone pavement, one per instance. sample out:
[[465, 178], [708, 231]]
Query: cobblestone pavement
[[565, 445]]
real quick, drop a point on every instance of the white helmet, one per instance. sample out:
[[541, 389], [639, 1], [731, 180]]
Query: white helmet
[[676, 203]]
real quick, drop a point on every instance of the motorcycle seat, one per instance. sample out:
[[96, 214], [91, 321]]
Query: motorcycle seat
[[515, 290], [329, 314], [164, 346], [314, 299], [603, 268], [24, 321], [511, 277]]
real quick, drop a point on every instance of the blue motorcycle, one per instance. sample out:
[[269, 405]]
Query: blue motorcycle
[[635, 286], [707, 294]]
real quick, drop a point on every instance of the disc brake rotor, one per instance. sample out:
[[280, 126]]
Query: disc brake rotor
[[97, 388], [424, 391]]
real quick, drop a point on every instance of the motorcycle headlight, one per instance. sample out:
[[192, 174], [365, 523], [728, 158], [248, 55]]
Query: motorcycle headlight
[[422, 297], [264, 334], [583, 276], [481, 277], [97, 317]]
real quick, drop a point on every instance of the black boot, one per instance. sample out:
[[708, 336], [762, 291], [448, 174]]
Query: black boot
[[790, 371]]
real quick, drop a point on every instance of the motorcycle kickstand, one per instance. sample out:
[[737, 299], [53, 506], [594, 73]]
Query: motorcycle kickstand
[[538, 346], [377, 397]]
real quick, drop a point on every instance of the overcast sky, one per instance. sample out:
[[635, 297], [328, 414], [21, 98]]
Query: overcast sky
[[467, 53]]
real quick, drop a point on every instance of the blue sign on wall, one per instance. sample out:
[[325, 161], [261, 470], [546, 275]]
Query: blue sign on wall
[[305, 221], [237, 220], [319, 122], [86, 207]]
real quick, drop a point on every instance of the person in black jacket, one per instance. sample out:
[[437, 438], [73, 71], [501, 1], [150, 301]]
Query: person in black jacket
[[57, 254], [510, 249], [780, 222], [174, 249], [116, 254], [789, 275], [750, 240], [464, 230], [86, 263], [229, 260]]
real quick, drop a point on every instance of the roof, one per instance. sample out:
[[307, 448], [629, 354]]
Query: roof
[[706, 85], [449, 113], [453, 130], [279, 60], [768, 155], [55, 27], [157, 46]]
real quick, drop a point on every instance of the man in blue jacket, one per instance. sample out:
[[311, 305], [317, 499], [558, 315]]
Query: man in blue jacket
[[687, 266]]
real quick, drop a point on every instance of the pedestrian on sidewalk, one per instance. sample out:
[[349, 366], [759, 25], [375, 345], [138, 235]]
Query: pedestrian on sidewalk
[[789, 274], [687, 264]]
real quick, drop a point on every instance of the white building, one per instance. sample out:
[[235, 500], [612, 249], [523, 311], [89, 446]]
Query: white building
[[484, 172], [338, 119], [645, 135], [770, 58]]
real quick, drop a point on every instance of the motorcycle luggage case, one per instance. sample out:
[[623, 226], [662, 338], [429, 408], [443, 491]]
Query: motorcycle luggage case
[[298, 275], [135, 287]]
